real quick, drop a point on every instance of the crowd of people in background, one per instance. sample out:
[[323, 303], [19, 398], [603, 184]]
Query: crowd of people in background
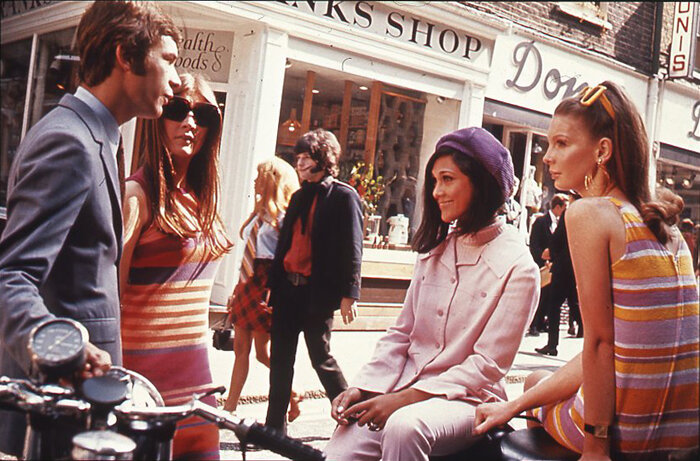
[[134, 261]]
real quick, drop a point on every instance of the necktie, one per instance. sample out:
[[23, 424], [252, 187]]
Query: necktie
[[120, 167], [249, 252]]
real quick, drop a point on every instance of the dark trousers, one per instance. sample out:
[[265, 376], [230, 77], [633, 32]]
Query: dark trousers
[[563, 287], [291, 317], [542, 309]]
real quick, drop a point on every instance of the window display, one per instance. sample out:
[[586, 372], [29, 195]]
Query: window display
[[14, 71], [381, 130], [55, 72]]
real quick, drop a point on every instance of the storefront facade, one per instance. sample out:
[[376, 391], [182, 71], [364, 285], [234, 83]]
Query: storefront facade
[[527, 81], [389, 78], [677, 148]]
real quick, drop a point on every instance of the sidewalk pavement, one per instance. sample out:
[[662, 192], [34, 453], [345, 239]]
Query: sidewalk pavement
[[352, 349]]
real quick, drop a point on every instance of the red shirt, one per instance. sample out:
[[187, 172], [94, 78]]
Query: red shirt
[[298, 257]]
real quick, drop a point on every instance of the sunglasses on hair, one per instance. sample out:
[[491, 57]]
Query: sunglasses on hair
[[589, 95], [205, 114]]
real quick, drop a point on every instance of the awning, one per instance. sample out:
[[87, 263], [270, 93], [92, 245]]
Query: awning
[[677, 155], [516, 114]]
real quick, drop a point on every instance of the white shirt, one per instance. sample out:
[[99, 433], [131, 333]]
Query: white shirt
[[555, 221]]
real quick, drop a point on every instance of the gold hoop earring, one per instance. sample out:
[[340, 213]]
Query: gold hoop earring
[[587, 181]]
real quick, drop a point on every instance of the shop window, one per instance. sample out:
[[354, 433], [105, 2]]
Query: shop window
[[55, 72], [683, 181], [14, 71], [382, 130], [595, 13]]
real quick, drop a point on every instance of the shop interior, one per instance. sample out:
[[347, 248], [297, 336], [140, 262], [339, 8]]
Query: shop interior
[[380, 129], [684, 181]]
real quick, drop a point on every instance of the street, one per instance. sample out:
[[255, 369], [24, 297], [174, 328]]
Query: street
[[351, 349]]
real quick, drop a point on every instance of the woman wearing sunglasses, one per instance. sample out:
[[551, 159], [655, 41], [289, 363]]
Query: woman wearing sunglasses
[[637, 296], [173, 241]]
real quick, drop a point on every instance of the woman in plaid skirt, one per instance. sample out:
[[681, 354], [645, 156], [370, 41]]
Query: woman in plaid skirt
[[250, 314]]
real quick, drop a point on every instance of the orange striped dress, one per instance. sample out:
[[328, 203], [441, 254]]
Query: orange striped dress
[[165, 315], [657, 365]]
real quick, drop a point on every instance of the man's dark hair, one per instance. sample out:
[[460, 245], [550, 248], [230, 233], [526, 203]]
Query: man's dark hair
[[323, 147], [136, 26], [487, 198], [558, 200]]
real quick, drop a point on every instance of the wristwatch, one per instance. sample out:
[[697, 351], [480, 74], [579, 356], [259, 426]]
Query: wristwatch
[[597, 431]]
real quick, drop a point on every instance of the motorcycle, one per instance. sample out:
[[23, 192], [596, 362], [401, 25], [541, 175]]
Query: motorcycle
[[119, 415]]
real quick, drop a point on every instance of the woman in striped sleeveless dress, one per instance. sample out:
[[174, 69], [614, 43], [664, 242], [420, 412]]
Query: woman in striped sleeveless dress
[[632, 393], [173, 242]]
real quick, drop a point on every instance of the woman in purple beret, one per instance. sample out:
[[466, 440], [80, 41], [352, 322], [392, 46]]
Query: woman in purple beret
[[473, 293]]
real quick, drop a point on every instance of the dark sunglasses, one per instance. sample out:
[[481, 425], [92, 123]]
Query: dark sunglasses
[[205, 114]]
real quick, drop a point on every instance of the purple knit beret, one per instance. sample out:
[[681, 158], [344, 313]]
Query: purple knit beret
[[480, 145]]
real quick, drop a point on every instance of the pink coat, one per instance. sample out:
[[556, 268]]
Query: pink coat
[[465, 313]]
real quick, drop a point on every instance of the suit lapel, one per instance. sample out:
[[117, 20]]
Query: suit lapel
[[107, 157]]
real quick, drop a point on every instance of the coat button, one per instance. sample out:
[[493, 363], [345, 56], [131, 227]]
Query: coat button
[[453, 280], [440, 312], [437, 345], [483, 294]]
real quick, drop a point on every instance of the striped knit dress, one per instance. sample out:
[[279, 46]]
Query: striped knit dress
[[165, 309], [657, 364]]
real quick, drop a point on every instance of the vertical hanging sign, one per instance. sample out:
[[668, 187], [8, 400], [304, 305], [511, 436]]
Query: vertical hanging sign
[[682, 60]]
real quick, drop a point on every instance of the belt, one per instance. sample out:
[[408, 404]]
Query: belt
[[297, 279]]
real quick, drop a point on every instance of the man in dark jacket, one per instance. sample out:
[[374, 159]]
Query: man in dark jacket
[[316, 271], [563, 287], [540, 239]]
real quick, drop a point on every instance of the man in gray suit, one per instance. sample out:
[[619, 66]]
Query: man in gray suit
[[60, 250]]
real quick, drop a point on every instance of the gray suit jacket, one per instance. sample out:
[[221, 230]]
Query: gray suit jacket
[[60, 250]]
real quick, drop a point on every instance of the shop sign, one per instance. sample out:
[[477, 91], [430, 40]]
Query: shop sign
[[377, 18], [680, 63], [206, 52], [528, 74], [538, 76], [695, 132], [14, 7]]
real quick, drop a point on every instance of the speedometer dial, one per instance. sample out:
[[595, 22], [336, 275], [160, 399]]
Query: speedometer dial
[[57, 347]]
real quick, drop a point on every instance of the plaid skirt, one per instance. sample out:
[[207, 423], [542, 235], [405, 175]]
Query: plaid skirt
[[249, 309]]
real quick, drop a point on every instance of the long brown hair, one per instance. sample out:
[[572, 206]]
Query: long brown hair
[[202, 177], [629, 166], [278, 181]]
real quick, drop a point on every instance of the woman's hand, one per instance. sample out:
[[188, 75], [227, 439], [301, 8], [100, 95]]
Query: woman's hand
[[342, 402], [375, 411], [490, 415]]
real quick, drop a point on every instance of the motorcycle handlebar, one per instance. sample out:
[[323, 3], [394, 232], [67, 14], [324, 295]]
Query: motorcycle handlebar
[[21, 395], [274, 440], [246, 431]]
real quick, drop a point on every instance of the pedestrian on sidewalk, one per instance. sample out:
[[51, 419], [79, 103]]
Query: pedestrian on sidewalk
[[316, 271], [173, 242], [562, 287], [473, 293], [639, 366], [60, 249], [248, 307], [540, 241]]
